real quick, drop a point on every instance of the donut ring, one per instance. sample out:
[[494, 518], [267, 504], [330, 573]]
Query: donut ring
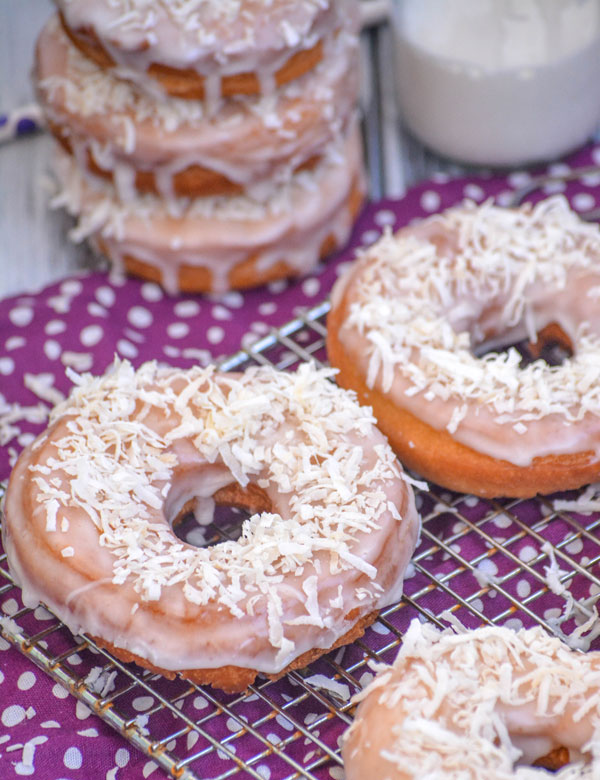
[[208, 50], [408, 320], [173, 147], [216, 244], [482, 703], [90, 507]]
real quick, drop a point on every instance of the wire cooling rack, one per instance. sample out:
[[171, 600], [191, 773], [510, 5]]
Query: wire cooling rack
[[512, 562]]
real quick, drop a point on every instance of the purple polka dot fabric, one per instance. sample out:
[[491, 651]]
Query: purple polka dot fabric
[[80, 324]]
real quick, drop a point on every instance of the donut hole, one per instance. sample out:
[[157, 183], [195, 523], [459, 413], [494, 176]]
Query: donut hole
[[204, 521], [552, 345], [225, 524]]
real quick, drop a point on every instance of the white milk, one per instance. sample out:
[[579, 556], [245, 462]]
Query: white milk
[[499, 82]]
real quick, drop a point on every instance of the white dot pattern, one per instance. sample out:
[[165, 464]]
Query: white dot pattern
[[83, 322]]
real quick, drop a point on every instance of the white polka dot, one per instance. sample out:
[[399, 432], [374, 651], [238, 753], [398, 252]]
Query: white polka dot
[[81, 711], [311, 287], [200, 703], [591, 179], [474, 191], [149, 768], [186, 309], [523, 589], [42, 614], [559, 169], [192, 738], [91, 335], [151, 292], [336, 773], [554, 186], [26, 681], [575, 547], [553, 613], [519, 179], [4, 645], [527, 553], [73, 758], [221, 313], [264, 772], [54, 327], [274, 739], [126, 348], [10, 606], [284, 722], [139, 317], [583, 201], [7, 366], [13, 715], [105, 295], [379, 628], [369, 237], [71, 287], [170, 351], [233, 725], [21, 316], [122, 757], [143, 703], [178, 330], [504, 198], [1, 677], [515, 624], [278, 286], [95, 310], [430, 200], [52, 349], [471, 501], [215, 334], [502, 521], [233, 299], [59, 692], [384, 217], [267, 308]]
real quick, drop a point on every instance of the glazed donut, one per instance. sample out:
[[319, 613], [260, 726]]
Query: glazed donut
[[206, 49], [91, 504], [173, 147], [410, 321], [221, 243], [489, 703]]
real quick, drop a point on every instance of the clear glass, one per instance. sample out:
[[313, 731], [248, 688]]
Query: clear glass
[[499, 82]]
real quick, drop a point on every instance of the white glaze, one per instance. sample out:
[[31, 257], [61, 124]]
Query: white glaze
[[218, 233], [249, 141], [126, 451], [214, 39], [421, 303], [467, 706]]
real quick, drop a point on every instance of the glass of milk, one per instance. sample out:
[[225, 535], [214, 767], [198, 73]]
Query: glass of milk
[[499, 82]]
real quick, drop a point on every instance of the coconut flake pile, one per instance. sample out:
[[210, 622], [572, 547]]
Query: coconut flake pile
[[458, 696], [297, 432], [418, 308]]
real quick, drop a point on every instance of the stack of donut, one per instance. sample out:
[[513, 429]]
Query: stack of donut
[[208, 145]]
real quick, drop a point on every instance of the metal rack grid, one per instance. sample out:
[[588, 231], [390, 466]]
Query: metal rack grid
[[473, 559], [482, 561]]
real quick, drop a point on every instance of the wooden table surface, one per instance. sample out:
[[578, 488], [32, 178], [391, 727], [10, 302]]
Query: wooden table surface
[[34, 249]]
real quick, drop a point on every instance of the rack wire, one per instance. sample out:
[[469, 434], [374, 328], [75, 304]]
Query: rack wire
[[510, 562], [484, 561]]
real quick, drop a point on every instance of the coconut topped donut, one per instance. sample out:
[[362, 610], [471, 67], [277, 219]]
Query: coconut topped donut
[[205, 48], [486, 703], [410, 323], [91, 505]]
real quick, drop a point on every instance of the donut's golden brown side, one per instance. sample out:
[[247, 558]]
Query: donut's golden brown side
[[244, 275], [236, 679], [437, 456], [190, 85]]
